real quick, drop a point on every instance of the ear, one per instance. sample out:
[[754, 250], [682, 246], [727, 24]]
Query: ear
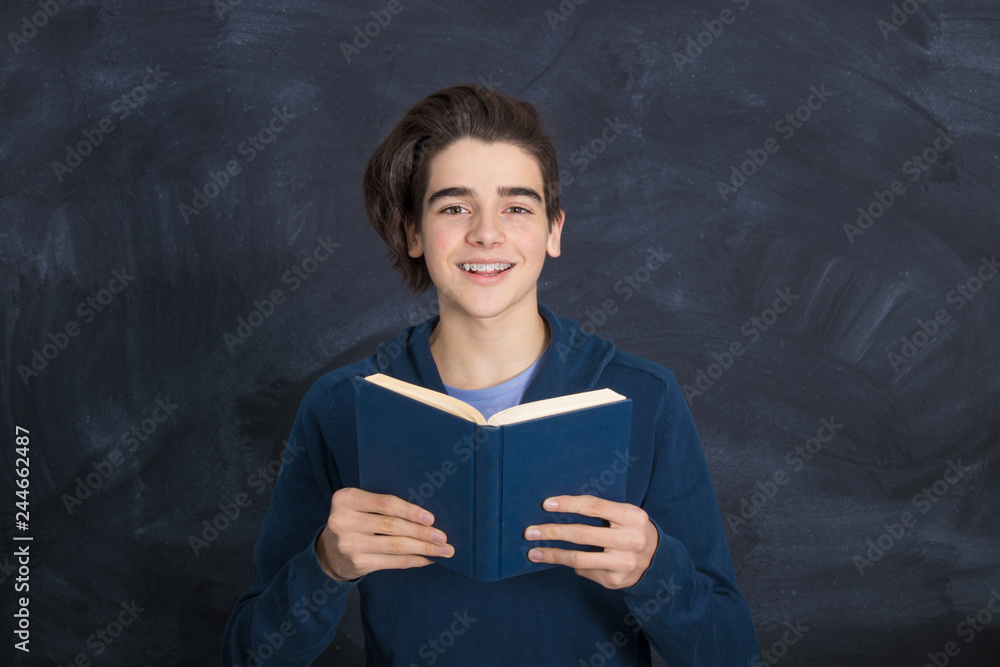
[[415, 246], [555, 235]]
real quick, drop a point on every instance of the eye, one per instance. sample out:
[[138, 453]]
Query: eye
[[519, 210], [454, 209]]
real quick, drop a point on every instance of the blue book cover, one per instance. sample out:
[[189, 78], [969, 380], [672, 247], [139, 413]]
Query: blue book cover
[[485, 483]]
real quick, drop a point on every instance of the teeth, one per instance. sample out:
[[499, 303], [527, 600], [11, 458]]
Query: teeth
[[485, 268]]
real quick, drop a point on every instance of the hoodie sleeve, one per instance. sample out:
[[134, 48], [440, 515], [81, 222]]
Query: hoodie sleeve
[[687, 602], [291, 612]]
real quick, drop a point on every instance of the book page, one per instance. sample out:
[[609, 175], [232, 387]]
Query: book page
[[436, 399], [554, 406]]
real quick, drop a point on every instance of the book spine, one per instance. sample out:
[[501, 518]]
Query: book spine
[[488, 502]]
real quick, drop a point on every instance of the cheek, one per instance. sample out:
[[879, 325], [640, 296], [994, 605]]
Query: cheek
[[437, 242], [533, 246], [441, 245]]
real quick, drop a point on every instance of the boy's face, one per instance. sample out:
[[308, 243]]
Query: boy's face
[[484, 205]]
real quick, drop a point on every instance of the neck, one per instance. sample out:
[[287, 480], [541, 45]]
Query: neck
[[475, 353]]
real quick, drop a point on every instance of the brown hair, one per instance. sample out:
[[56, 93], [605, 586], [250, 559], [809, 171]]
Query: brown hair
[[397, 174]]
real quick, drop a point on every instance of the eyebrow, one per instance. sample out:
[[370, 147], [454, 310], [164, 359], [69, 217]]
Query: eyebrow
[[502, 191]]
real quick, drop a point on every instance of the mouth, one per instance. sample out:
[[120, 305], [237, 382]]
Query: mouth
[[486, 269]]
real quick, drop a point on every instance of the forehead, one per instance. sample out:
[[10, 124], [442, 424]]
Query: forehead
[[468, 162]]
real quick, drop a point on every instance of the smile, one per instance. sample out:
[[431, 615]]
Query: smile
[[485, 269]]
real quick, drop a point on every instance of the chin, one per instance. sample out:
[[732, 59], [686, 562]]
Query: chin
[[482, 310], [486, 308]]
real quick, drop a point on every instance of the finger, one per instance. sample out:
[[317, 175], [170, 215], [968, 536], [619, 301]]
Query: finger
[[381, 524], [398, 546], [577, 533], [618, 513], [387, 504], [578, 560], [367, 563]]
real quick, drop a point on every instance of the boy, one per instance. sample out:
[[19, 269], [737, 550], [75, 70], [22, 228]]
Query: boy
[[465, 193]]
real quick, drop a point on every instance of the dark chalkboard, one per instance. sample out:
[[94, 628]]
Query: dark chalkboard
[[184, 252]]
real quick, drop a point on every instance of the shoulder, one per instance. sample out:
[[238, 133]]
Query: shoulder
[[333, 387], [643, 372], [392, 356]]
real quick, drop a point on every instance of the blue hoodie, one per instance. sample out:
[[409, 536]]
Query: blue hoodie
[[686, 605]]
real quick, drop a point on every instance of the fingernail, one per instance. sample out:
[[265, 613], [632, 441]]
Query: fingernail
[[446, 550], [550, 504], [533, 534], [535, 554], [426, 517], [439, 537]]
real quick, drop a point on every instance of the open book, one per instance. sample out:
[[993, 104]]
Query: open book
[[485, 480], [518, 413]]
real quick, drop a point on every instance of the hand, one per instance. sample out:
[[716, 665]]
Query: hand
[[373, 531], [629, 542]]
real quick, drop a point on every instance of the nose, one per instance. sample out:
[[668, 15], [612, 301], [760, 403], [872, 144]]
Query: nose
[[486, 229]]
